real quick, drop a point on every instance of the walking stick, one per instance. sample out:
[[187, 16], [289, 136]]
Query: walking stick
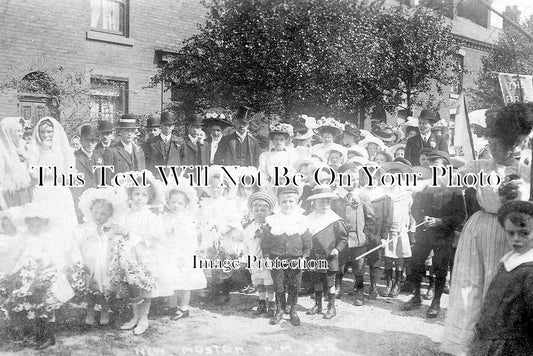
[[385, 243]]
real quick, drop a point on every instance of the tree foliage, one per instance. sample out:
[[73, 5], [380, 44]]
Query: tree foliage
[[317, 56], [513, 53]]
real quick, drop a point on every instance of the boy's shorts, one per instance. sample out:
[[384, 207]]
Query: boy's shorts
[[262, 277]]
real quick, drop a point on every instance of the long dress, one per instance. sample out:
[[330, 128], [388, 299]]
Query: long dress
[[179, 247], [481, 246]]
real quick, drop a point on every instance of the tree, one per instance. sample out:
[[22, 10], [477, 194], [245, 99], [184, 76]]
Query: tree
[[316, 56], [513, 53]]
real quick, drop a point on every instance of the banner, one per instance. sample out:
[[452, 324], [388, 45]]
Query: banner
[[514, 90], [462, 139]]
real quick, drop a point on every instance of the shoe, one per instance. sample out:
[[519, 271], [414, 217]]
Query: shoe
[[317, 308], [294, 319], [271, 309], [180, 314], [90, 319], [261, 309], [104, 317], [433, 310], [373, 292], [130, 324], [395, 290], [446, 289], [388, 288], [359, 297], [287, 309], [430, 293], [277, 316], [331, 307], [141, 327], [414, 303]]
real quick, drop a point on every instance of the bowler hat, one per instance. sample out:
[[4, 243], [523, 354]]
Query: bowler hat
[[429, 115], [88, 132], [128, 121], [105, 126], [152, 122], [168, 118], [244, 113]]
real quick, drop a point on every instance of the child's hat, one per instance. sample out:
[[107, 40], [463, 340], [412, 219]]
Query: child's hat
[[267, 198], [515, 206], [117, 197], [182, 187], [323, 191]]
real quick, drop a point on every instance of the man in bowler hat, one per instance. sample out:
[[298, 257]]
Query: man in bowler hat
[[153, 126], [125, 155], [165, 148], [195, 152], [239, 148], [105, 135], [425, 138], [86, 158]]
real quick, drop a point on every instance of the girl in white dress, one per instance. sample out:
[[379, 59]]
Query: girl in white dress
[[141, 260], [95, 240], [180, 245]]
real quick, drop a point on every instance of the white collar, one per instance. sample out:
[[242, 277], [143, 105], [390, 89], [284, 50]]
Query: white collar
[[426, 136], [216, 140], [241, 137], [514, 259], [290, 224], [165, 138], [318, 222], [127, 145], [193, 139]]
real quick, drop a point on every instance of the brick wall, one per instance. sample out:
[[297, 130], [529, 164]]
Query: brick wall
[[45, 34]]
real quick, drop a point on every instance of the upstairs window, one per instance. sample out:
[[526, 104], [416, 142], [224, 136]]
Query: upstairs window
[[110, 16]]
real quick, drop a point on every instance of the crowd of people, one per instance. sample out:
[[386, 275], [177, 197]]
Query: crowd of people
[[136, 242]]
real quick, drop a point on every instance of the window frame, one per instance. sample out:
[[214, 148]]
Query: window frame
[[125, 19], [125, 104]]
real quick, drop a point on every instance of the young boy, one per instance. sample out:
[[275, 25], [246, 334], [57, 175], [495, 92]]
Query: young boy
[[285, 237], [504, 326], [442, 209], [355, 208], [329, 236], [260, 205]]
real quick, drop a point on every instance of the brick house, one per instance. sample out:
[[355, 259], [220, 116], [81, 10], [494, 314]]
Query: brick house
[[115, 45]]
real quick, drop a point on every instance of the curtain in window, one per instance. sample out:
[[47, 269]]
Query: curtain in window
[[96, 11], [107, 15]]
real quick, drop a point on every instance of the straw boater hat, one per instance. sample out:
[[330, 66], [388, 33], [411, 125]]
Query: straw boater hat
[[280, 128], [322, 191], [218, 117], [396, 166], [267, 198], [128, 121], [329, 124]]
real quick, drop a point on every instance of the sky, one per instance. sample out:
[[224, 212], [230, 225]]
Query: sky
[[525, 6]]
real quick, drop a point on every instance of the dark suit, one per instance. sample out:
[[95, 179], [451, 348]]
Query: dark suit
[[227, 151], [415, 144], [85, 165], [157, 153], [118, 157], [194, 154]]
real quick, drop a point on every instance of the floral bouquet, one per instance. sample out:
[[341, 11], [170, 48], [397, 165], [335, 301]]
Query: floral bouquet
[[80, 279], [29, 292]]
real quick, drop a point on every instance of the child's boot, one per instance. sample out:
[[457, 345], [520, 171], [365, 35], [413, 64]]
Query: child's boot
[[396, 287], [271, 309], [261, 308], [388, 278], [431, 289], [373, 292], [134, 320], [415, 302], [331, 307], [317, 308], [142, 325], [294, 319], [280, 308]]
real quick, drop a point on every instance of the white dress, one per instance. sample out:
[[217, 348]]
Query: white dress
[[400, 246], [179, 247], [96, 252], [144, 246], [268, 161]]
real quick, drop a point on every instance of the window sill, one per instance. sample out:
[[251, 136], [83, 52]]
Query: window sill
[[107, 37], [454, 96]]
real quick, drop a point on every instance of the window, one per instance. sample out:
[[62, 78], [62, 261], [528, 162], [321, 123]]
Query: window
[[109, 98], [457, 67], [110, 16]]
